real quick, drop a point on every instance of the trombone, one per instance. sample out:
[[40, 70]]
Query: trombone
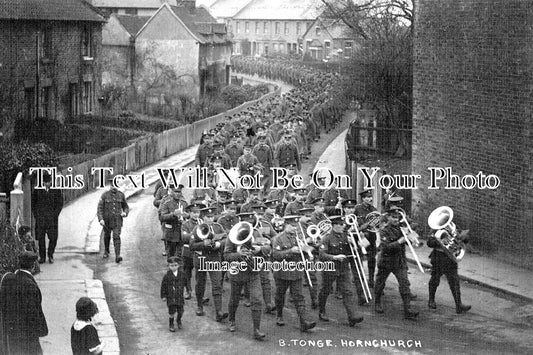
[[352, 220], [411, 237], [302, 244]]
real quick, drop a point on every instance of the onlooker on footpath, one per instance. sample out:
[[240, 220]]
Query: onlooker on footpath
[[172, 287], [46, 205], [23, 320], [24, 233], [112, 208], [84, 338]]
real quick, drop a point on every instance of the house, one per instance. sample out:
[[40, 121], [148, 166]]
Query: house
[[224, 10], [328, 39], [180, 49], [49, 62], [131, 7], [271, 26]]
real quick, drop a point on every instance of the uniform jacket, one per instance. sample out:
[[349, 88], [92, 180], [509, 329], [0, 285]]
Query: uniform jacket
[[293, 208], [187, 229], [281, 246], [287, 154], [392, 252], [172, 288], [171, 222], [203, 152], [231, 254], [228, 221], [247, 163], [159, 195], [111, 205], [234, 151], [335, 244], [264, 155], [197, 245]]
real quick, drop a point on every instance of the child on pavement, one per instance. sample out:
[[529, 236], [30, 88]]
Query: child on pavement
[[172, 287], [83, 335]]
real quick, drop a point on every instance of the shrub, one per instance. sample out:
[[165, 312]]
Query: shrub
[[234, 95], [10, 248]]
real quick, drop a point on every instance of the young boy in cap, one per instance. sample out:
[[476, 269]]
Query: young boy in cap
[[172, 291]]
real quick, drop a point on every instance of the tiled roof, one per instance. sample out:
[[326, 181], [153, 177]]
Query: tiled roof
[[139, 4], [202, 24], [279, 10], [132, 24], [227, 8], [52, 10]]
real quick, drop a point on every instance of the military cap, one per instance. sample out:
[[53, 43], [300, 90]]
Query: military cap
[[218, 146], [195, 206], [209, 211], [248, 146], [245, 215], [231, 204], [319, 201], [349, 203], [291, 219], [337, 220], [306, 210], [259, 208], [173, 187], [272, 203], [366, 192], [290, 166], [395, 199], [393, 209]]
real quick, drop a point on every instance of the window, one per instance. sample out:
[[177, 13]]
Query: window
[[298, 28], [131, 11], [73, 92], [45, 44], [286, 28], [87, 98], [29, 99], [265, 27], [327, 48], [348, 46], [257, 28], [278, 28], [317, 31], [86, 42], [247, 27], [275, 47], [308, 44], [237, 27], [45, 101]]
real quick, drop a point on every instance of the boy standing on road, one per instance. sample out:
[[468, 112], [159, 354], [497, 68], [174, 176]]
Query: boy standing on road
[[172, 291]]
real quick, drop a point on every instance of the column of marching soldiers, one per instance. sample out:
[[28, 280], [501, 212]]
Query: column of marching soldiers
[[275, 133]]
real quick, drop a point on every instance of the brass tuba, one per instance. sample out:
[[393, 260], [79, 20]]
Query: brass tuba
[[446, 232], [241, 233], [203, 231], [373, 220]]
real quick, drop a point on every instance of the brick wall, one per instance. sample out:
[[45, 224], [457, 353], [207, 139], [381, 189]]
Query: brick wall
[[473, 90], [63, 65]]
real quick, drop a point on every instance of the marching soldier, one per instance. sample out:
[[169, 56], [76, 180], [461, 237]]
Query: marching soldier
[[229, 219], [207, 244], [219, 159], [334, 247], [285, 247], [186, 233], [314, 191], [204, 151], [234, 150], [287, 152], [334, 198], [298, 203], [265, 156], [112, 208], [442, 264], [248, 162], [393, 260], [305, 222], [240, 196], [318, 214], [171, 214], [207, 195], [241, 278]]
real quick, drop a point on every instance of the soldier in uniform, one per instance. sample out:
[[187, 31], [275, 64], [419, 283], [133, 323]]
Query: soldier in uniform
[[305, 222], [219, 159], [314, 191], [334, 247], [186, 232], [442, 264], [287, 153], [204, 151], [234, 149], [298, 203], [248, 162], [318, 214], [361, 211], [392, 260], [207, 195], [241, 278], [112, 208], [285, 247], [240, 196], [208, 246], [265, 156], [171, 213]]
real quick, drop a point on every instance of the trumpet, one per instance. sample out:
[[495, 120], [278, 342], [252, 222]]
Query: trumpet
[[411, 237], [359, 265], [351, 220]]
